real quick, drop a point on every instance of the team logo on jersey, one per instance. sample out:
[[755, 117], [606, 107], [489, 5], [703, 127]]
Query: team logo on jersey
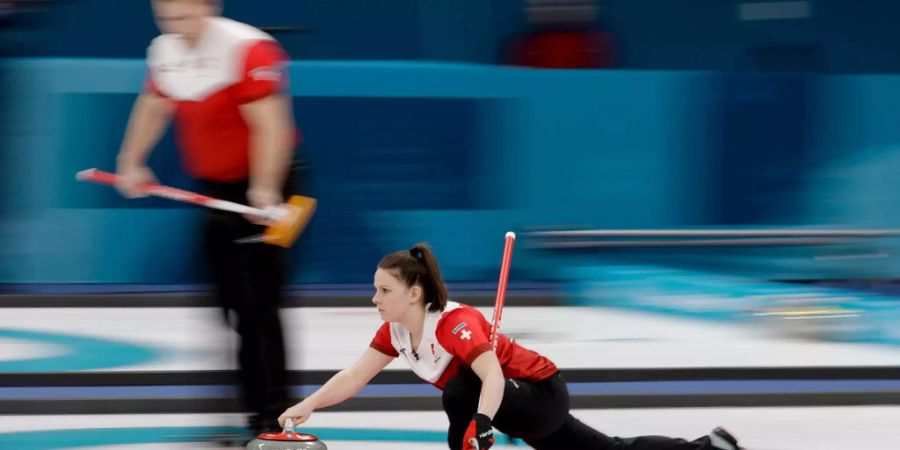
[[465, 335], [268, 73], [459, 327]]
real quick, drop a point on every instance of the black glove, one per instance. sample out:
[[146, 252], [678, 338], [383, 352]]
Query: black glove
[[479, 435]]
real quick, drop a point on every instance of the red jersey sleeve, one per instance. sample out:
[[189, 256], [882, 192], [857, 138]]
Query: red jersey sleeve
[[264, 72], [382, 341], [462, 332]]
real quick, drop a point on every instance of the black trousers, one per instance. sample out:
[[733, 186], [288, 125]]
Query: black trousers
[[538, 412], [248, 281]]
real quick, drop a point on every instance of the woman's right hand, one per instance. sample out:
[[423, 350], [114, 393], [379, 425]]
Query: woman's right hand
[[131, 177], [299, 413]]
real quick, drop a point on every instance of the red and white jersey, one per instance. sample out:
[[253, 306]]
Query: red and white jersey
[[451, 340], [230, 65]]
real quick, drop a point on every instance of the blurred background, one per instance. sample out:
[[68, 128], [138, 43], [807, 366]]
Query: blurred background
[[705, 194]]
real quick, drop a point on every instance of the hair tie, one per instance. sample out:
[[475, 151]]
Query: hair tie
[[417, 253]]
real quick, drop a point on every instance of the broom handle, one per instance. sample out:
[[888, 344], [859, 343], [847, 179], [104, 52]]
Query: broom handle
[[501, 287], [179, 195]]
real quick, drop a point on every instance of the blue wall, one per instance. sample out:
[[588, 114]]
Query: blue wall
[[457, 154], [837, 36], [458, 30]]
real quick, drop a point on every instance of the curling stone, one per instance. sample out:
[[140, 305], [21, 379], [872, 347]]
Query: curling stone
[[288, 439]]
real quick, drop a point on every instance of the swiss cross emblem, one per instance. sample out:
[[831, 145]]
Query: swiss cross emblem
[[465, 335]]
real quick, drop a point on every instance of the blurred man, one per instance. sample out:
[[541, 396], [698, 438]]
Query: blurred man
[[224, 82], [563, 34]]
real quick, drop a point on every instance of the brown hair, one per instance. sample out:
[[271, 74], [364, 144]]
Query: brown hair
[[419, 266]]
